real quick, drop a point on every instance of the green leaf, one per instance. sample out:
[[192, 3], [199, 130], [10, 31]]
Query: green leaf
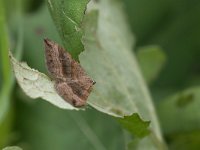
[[74, 130], [147, 143], [4, 44], [36, 84], [153, 22], [151, 60], [12, 148], [135, 125], [6, 79], [68, 17], [6, 126], [108, 58], [185, 141], [183, 108], [70, 129], [120, 89], [179, 115]]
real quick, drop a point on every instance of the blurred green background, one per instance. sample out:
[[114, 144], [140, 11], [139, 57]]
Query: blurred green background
[[174, 25]]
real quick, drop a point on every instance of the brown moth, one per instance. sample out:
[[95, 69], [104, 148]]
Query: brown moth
[[71, 81]]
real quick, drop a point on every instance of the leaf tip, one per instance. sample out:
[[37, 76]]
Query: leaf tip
[[135, 125]]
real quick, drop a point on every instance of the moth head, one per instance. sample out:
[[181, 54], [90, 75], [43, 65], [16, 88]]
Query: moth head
[[93, 82]]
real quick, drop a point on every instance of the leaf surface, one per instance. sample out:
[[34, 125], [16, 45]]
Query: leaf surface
[[70, 129], [120, 89], [108, 58], [184, 106], [151, 60], [68, 20], [12, 148], [135, 125], [36, 84]]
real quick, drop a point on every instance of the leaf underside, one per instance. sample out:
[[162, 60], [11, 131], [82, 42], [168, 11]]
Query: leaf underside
[[36, 84]]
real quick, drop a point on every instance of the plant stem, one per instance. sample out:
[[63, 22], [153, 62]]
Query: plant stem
[[4, 45], [8, 78]]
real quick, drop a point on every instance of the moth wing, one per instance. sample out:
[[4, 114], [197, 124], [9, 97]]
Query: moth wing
[[81, 80], [81, 88], [67, 93], [58, 61]]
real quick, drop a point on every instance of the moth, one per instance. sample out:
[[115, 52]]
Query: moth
[[71, 81]]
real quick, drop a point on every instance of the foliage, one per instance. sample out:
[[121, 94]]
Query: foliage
[[12, 148], [164, 55]]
